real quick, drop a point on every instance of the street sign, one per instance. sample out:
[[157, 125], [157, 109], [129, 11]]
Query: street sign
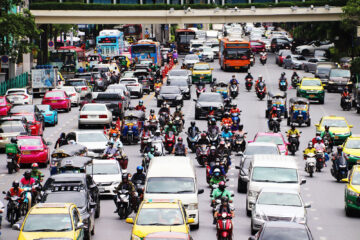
[[4, 61], [51, 45], [166, 27]]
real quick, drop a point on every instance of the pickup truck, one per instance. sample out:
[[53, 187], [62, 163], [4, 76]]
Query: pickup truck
[[114, 102]]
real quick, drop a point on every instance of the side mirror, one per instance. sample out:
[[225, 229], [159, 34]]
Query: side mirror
[[190, 220], [307, 205], [195, 100], [92, 186], [250, 141], [211, 68], [303, 181], [129, 220], [92, 204], [346, 180], [237, 167], [251, 238], [246, 178], [351, 126], [80, 225], [200, 191], [317, 125], [16, 227]]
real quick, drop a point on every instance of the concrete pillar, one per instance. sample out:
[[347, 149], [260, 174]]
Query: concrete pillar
[[167, 1], [12, 68], [223, 2], [206, 26], [2, 77], [27, 63], [141, 2], [276, 1]]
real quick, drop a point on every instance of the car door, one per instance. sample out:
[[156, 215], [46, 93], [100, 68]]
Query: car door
[[312, 64]]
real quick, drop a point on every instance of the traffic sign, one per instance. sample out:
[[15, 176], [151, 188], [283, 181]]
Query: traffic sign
[[4, 61], [51, 45]]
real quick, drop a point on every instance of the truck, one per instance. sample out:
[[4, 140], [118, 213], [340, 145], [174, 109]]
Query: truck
[[115, 102], [45, 79]]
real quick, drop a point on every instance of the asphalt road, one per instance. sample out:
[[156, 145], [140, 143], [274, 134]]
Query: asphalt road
[[326, 217]]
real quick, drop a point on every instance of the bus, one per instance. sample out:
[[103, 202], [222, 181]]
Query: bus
[[234, 53], [110, 43], [68, 58], [132, 31], [146, 49], [183, 38]]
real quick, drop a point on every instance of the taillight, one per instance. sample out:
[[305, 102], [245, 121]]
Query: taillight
[[83, 88], [25, 97], [120, 105], [48, 114], [244, 58], [83, 116], [103, 116], [1, 138], [92, 79]]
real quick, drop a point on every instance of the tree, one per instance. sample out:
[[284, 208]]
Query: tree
[[17, 29]]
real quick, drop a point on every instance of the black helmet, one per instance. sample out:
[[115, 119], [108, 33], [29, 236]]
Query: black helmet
[[192, 123], [125, 176], [13, 140], [241, 127], [327, 127], [292, 126], [222, 185], [339, 149], [16, 184], [152, 111], [110, 143], [282, 74], [27, 174], [224, 199]]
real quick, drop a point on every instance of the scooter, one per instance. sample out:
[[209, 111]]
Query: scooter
[[123, 203], [202, 153], [224, 226], [192, 140], [346, 103], [248, 83], [213, 137], [12, 165], [274, 124], [283, 85], [294, 81], [239, 143], [261, 91], [178, 124], [236, 118], [293, 139], [339, 169], [169, 141], [320, 160], [12, 213], [234, 90], [310, 163]]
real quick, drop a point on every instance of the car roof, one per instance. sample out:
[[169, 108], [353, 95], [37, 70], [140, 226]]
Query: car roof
[[51, 208], [334, 117], [68, 176], [175, 167], [281, 161], [310, 78], [268, 134], [29, 137], [89, 131], [101, 161], [265, 144]]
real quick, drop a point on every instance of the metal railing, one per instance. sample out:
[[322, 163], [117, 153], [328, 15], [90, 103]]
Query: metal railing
[[19, 81]]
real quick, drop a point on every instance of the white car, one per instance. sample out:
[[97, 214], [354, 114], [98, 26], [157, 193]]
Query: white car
[[207, 54], [106, 175], [94, 114], [19, 96], [80, 84], [133, 85], [94, 140], [190, 60], [73, 93], [312, 46]]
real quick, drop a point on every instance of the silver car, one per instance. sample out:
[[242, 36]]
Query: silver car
[[278, 204], [190, 60], [179, 73], [94, 140], [133, 86], [310, 65], [94, 114], [294, 61]]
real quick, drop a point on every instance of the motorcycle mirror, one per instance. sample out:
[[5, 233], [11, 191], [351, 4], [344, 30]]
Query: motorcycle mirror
[[16, 227], [195, 100], [303, 181], [227, 179], [251, 238], [346, 180], [200, 191], [3, 192], [307, 205]]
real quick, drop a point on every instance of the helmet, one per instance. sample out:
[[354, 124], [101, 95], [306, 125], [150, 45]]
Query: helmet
[[227, 114], [203, 135], [241, 127], [152, 149], [339, 149], [318, 134], [282, 74], [310, 144], [157, 132], [222, 143], [170, 123], [152, 111], [114, 134], [224, 199], [260, 76], [139, 169], [217, 172], [178, 108], [110, 143], [226, 129], [72, 142], [327, 127], [163, 105], [113, 125], [213, 121], [292, 126], [34, 165], [192, 123], [222, 185], [16, 184], [125, 176], [318, 138], [234, 105], [13, 140], [141, 102], [212, 148], [180, 139], [27, 174], [274, 108]]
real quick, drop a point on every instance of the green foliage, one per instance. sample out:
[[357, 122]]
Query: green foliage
[[352, 11]]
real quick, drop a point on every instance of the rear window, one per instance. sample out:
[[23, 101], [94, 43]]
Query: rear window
[[75, 83], [129, 81], [29, 142], [15, 92], [93, 107], [12, 126], [108, 97], [54, 94]]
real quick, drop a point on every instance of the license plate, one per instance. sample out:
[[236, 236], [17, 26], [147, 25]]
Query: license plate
[[312, 95], [336, 137], [358, 161], [54, 101], [90, 116], [26, 152], [201, 77], [9, 160], [237, 67]]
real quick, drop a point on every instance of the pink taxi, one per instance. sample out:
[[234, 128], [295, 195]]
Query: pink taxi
[[34, 149], [57, 99], [5, 106], [271, 137]]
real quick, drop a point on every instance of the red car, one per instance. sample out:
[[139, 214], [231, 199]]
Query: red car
[[5, 106], [283, 53], [257, 46], [35, 125], [276, 138], [34, 149], [57, 99]]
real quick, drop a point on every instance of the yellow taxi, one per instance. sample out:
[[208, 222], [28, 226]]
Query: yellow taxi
[[312, 89], [352, 191], [202, 72], [351, 149], [339, 128], [159, 216], [52, 221]]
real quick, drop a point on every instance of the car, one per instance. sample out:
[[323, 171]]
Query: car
[[310, 65], [5, 106], [83, 202], [322, 71], [19, 96], [283, 231], [207, 54], [94, 141], [202, 72], [122, 90], [35, 125], [94, 114], [251, 150], [195, 45], [146, 77], [179, 73], [81, 84], [172, 95], [312, 46], [57, 99], [294, 61], [207, 100], [11, 128], [338, 126], [352, 191], [73, 93], [52, 220], [312, 89], [280, 43], [339, 79], [276, 138], [168, 236], [34, 149], [31, 108], [106, 175], [135, 88], [74, 182], [257, 46], [150, 211], [50, 115], [99, 81], [190, 60], [281, 56], [351, 150], [278, 204], [183, 85]]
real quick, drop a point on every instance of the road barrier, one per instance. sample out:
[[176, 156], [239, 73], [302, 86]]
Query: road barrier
[[19, 81]]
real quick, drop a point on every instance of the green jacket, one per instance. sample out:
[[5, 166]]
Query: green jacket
[[330, 133], [217, 193], [216, 180], [168, 129], [37, 174]]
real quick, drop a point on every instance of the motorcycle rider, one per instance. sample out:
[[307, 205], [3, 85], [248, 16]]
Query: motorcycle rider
[[282, 76], [314, 139], [226, 120], [61, 140], [193, 129], [178, 113], [294, 131], [224, 207], [216, 165], [336, 157], [170, 127], [226, 133], [328, 134], [164, 108], [127, 185], [36, 173], [249, 76], [179, 148], [27, 180], [15, 190], [310, 149], [273, 114], [212, 126], [217, 177], [113, 130], [320, 147], [110, 150], [203, 140], [234, 109], [344, 95], [115, 139], [294, 75], [220, 192], [157, 136], [139, 175], [140, 106], [13, 148], [152, 115], [233, 81]]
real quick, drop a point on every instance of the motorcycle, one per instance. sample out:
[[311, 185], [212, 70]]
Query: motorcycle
[[123, 203], [13, 212], [152, 124], [234, 90], [192, 140], [180, 152], [236, 119], [200, 89], [283, 85], [224, 226], [261, 91], [293, 142], [310, 163], [12, 163], [227, 104], [163, 119], [294, 81], [213, 137], [263, 59], [202, 153], [327, 143], [169, 141], [346, 103], [239, 143], [248, 83], [28, 200], [274, 124], [339, 169], [320, 160], [178, 124], [139, 187]]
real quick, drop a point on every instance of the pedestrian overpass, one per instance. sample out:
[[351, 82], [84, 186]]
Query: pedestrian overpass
[[189, 16]]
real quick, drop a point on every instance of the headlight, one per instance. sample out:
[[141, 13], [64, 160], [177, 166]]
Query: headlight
[[192, 206], [300, 220], [352, 193], [331, 82], [160, 97], [259, 216], [253, 194], [134, 237], [178, 97], [116, 183]]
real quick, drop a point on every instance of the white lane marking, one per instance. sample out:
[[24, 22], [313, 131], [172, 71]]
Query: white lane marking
[[319, 228], [308, 195], [306, 188], [2, 175], [313, 209], [322, 238], [231, 179], [316, 218]]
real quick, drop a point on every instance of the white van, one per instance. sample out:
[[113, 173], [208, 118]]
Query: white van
[[172, 177], [271, 171]]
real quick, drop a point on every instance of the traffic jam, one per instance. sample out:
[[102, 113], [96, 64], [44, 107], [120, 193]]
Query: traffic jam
[[233, 133]]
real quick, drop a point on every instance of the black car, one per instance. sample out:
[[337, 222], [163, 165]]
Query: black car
[[172, 95], [183, 85], [279, 43], [74, 181], [99, 81], [83, 202], [283, 231], [206, 101]]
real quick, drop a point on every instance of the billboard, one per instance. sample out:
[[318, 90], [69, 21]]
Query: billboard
[[44, 78]]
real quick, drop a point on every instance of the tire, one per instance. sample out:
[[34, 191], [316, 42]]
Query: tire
[[87, 235], [97, 212], [66, 110], [93, 230], [253, 231], [197, 116], [10, 170], [321, 101], [12, 218], [248, 213], [348, 212], [308, 123], [241, 188], [305, 52], [288, 122], [311, 174], [195, 226], [306, 69], [80, 126]]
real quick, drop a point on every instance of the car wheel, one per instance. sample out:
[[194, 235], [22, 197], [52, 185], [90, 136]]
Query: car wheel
[[348, 212], [306, 69], [93, 230], [241, 186], [97, 212], [80, 126], [253, 231], [305, 52], [158, 104], [321, 101], [248, 212], [87, 235], [67, 109]]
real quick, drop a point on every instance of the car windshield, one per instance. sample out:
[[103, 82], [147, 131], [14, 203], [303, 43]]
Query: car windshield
[[128, 74], [168, 185], [274, 174], [210, 98], [353, 144], [334, 123], [201, 67], [311, 83], [11, 127], [196, 45], [91, 137], [75, 83], [209, 50], [47, 223], [54, 94], [170, 90], [355, 178], [285, 53], [102, 169], [282, 199], [43, 107], [323, 70], [127, 81], [182, 83], [68, 89], [94, 107], [252, 150], [340, 73], [300, 106], [270, 138], [191, 57], [160, 216], [300, 58], [29, 142], [78, 198], [178, 73], [285, 233]]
